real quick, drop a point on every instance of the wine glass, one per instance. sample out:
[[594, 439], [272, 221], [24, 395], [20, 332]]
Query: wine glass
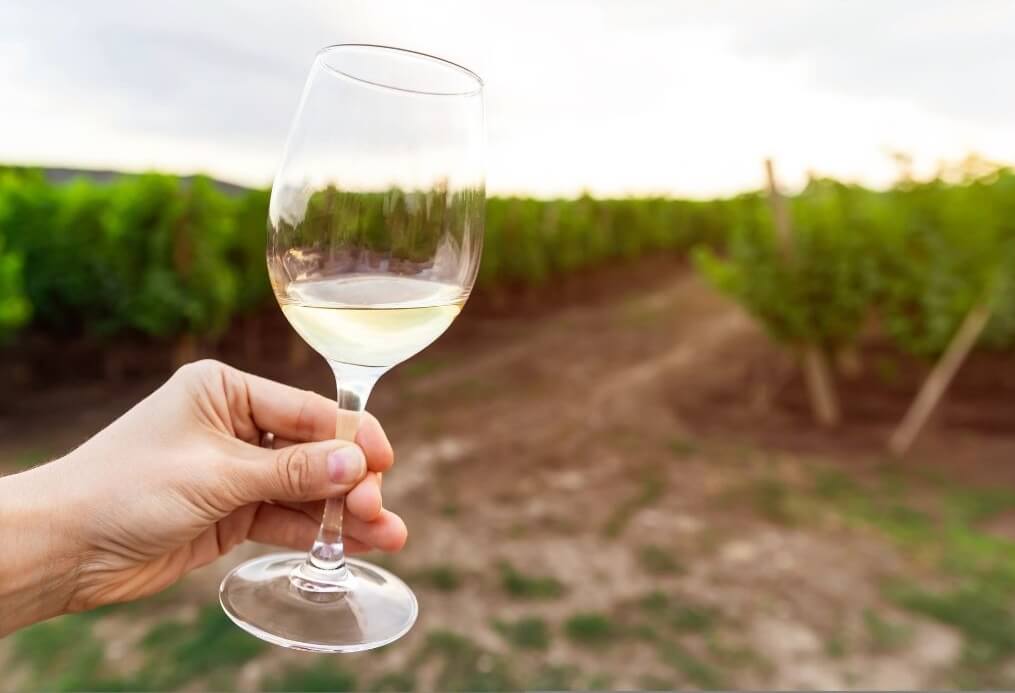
[[374, 235]]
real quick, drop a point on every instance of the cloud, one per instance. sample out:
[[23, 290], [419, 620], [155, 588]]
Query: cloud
[[956, 59], [614, 97]]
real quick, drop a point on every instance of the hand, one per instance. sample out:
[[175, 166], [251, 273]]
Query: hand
[[178, 481]]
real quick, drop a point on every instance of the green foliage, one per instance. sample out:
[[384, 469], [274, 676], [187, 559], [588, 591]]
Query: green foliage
[[63, 654], [651, 488], [398, 682], [180, 652], [183, 282], [944, 249], [656, 560], [919, 256], [678, 614], [464, 666], [697, 671], [589, 628], [145, 254], [527, 633], [979, 610], [528, 241], [885, 635], [522, 586], [555, 678], [157, 256], [326, 675], [443, 577], [15, 309], [815, 290], [246, 253], [976, 599]]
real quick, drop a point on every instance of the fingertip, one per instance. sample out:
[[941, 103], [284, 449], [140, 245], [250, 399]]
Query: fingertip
[[396, 535], [371, 437], [386, 533], [364, 500]]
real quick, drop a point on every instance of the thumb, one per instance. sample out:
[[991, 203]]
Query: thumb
[[304, 472]]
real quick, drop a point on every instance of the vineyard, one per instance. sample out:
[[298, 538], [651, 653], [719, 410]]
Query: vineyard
[[595, 498], [156, 257]]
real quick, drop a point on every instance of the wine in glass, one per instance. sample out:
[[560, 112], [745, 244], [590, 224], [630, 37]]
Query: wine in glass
[[374, 237]]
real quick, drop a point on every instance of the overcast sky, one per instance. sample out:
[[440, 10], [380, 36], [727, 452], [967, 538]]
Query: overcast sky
[[612, 96]]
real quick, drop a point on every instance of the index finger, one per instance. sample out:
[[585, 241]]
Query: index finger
[[302, 416], [288, 412]]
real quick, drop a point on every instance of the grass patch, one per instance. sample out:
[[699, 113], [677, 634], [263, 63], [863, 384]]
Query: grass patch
[[981, 612], [397, 681], [464, 666], [732, 657], [599, 682], [450, 509], [650, 490], [64, 655], [528, 633], [654, 601], [656, 560], [697, 671], [774, 500], [180, 652], [980, 567], [885, 636], [326, 675], [553, 678], [682, 447], [654, 683], [973, 507], [523, 586], [677, 614], [833, 484], [835, 647], [443, 577], [685, 617], [590, 628]]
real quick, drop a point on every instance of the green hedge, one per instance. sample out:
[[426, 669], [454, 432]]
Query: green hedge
[[144, 254], [159, 256], [917, 257]]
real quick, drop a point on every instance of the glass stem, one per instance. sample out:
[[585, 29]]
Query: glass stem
[[325, 568]]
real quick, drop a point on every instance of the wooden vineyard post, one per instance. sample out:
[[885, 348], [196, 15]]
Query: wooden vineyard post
[[939, 379], [817, 374]]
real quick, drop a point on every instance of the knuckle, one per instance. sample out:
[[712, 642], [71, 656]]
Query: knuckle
[[294, 472], [200, 370]]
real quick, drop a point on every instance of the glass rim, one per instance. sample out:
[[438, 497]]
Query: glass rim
[[334, 48]]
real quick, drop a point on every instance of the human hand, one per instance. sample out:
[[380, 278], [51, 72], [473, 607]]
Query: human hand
[[178, 481]]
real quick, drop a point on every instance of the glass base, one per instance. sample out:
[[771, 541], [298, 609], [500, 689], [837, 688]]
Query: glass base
[[376, 609]]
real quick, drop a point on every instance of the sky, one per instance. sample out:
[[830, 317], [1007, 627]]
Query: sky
[[613, 97]]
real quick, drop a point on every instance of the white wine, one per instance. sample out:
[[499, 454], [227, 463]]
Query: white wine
[[371, 320]]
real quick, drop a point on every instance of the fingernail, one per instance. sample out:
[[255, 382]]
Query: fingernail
[[346, 465]]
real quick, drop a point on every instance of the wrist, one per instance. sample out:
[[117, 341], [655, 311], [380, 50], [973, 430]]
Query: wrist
[[37, 559]]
